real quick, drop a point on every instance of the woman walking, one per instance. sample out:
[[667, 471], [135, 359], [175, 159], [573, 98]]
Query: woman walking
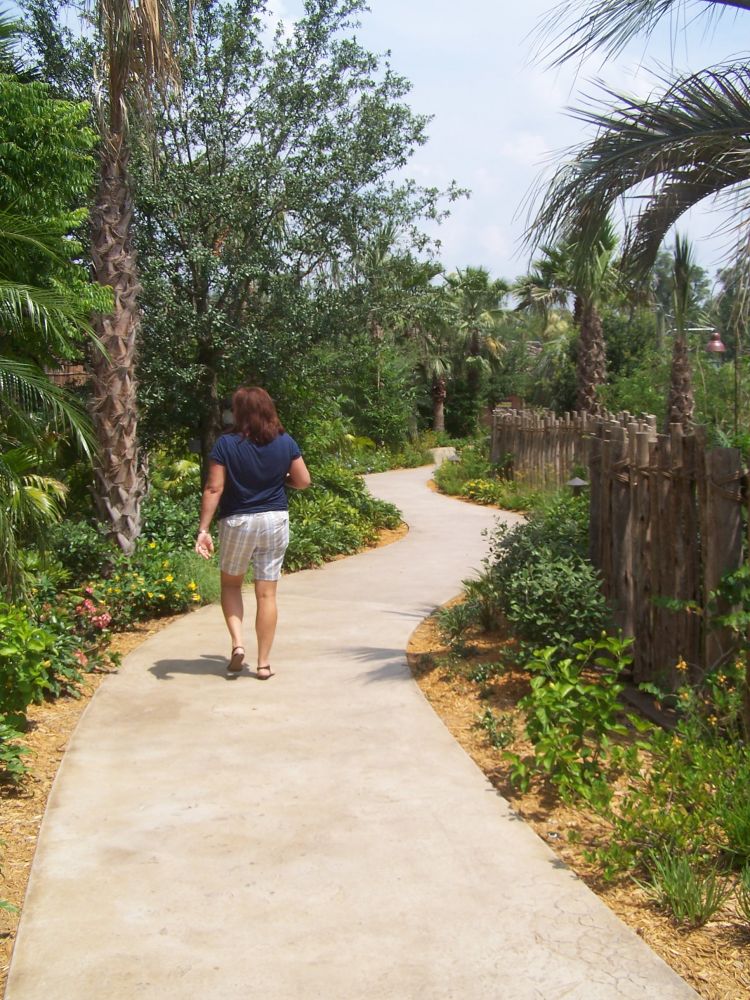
[[249, 469]]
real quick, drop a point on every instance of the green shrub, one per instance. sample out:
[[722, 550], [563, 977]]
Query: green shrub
[[555, 601], [170, 519], [572, 713], [336, 517], [473, 464], [25, 650], [146, 585], [82, 548], [546, 588]]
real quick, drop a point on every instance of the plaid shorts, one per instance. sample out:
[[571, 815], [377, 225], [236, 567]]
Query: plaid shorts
[[262, 537]]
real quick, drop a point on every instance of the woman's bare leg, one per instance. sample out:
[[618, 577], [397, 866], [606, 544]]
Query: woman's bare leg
[[266, 616], [231, 605]]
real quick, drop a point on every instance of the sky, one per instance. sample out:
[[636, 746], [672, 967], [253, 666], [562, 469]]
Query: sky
[[499, 114]]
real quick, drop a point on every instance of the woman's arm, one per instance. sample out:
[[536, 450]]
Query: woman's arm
[[298, 477], [212, 491]]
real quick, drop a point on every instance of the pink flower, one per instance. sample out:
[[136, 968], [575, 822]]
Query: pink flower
[[81, 657]]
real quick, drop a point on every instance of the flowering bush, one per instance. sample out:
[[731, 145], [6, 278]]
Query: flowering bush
[[147, 585]]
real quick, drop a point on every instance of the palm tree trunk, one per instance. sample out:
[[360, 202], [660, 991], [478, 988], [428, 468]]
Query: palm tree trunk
[[119, 482], [439, 392], [592, 360], [681, 403]]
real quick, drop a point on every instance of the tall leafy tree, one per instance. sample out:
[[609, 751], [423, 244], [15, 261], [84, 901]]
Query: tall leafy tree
[[265, 195]]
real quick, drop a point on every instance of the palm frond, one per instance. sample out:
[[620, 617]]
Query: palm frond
[[9, 32], [569, 32], [685, 141], [25, 390]]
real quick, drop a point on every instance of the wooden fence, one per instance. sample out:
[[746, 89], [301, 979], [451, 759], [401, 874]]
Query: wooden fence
[[666, 523]]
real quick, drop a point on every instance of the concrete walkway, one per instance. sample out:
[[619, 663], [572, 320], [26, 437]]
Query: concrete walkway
[[319, 835]]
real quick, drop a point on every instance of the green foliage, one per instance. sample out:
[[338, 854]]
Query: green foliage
[[473, 463], [556, 600], [474, 477], [170, 519], [453, 624], [146, 585], [676, 884], [572, 713], [12, 768], [546, 588], [335, 517], [743, 894], [25, 648], [82, 548], [486, 672], [500, 729]]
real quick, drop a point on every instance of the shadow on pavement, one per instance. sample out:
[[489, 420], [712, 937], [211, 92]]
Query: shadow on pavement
[[163, 670]]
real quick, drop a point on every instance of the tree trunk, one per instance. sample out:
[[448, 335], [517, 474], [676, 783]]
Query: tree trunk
[[439, 393], [118, 478], [681, 404], [592, 362]]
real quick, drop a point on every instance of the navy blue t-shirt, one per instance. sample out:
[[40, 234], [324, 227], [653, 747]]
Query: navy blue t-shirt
[[255, 473]]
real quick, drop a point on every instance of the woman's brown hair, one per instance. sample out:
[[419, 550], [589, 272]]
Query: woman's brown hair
[[255, 415]]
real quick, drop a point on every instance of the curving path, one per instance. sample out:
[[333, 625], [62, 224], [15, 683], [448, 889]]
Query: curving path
[[320, 835]]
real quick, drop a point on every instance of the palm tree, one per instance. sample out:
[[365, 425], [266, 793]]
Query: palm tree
[[135, 58], [589, 275], [681, 403], [689, 141], [475, 306]]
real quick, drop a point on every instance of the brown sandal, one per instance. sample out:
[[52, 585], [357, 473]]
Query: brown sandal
[[265, 676], [237, 660]]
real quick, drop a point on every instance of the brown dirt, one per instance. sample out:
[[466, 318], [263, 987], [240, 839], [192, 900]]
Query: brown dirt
[[50, 727], [714, 959]]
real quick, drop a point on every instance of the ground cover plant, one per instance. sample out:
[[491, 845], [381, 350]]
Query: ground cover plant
[[474, 477]]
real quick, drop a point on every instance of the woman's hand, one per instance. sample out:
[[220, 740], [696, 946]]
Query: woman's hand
[[204, 544]]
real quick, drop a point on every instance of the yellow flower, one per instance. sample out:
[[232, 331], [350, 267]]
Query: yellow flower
[[165, 564], [681, 665], [168, 578], [161, 597], [677, 741], [152, 545], [684, 695], [149, 594], [721, 678], [192, 585], [712, 720], [196, 597]]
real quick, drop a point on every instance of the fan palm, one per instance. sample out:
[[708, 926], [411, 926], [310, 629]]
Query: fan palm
[[588, 274], [475, 301], [686, 142], [135, 57]]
